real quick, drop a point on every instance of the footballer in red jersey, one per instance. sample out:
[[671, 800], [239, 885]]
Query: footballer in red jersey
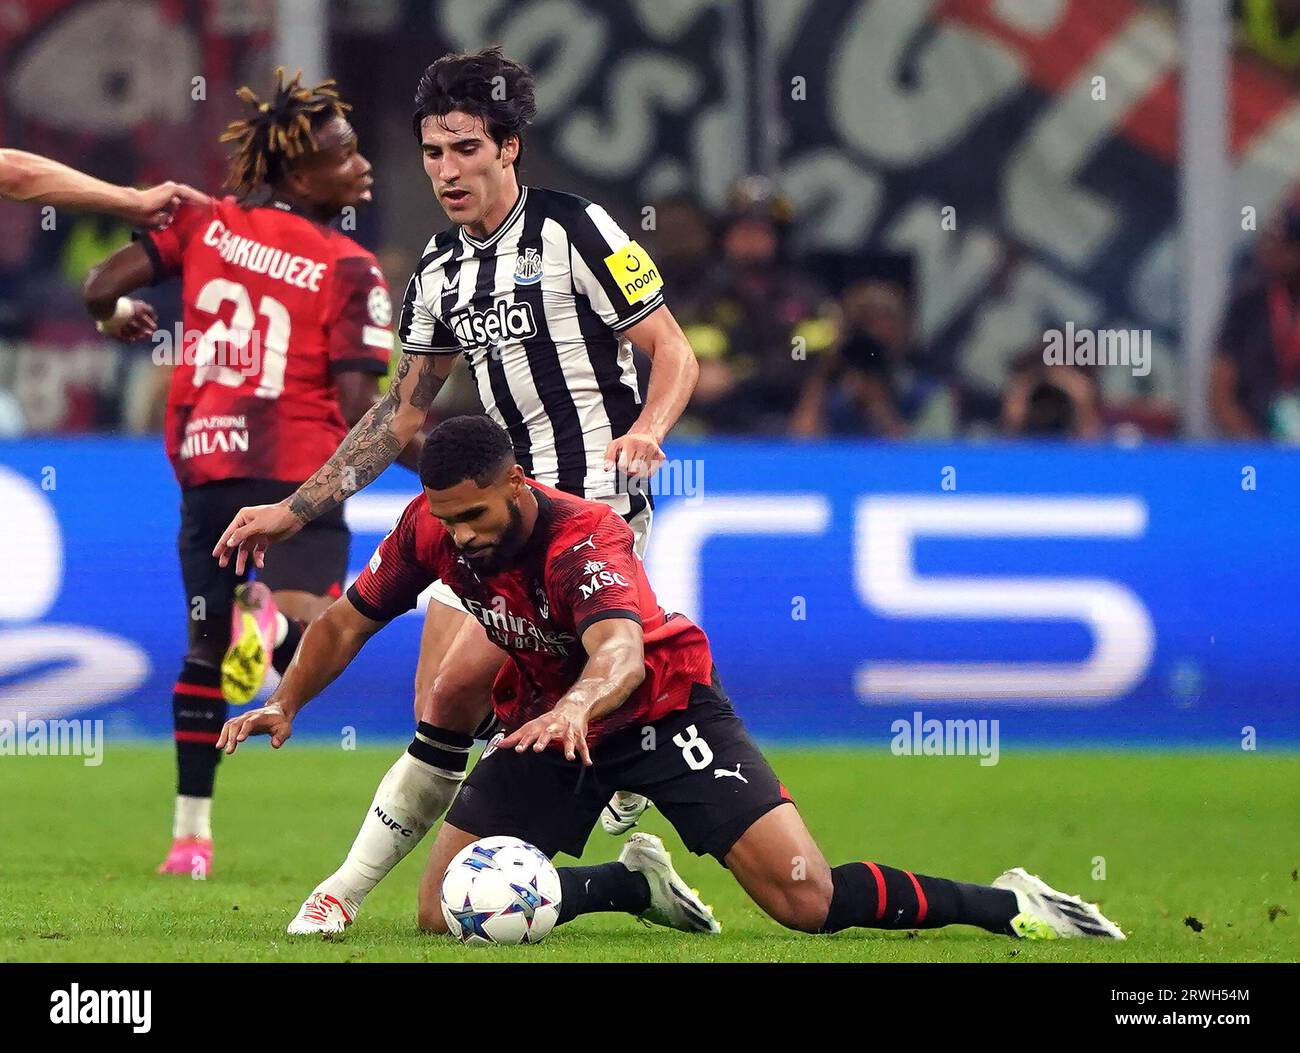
[[290, 283], [598, 688], [286, 334], [576, 568]]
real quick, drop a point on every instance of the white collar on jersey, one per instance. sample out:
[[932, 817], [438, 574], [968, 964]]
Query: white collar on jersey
[[512, 217]]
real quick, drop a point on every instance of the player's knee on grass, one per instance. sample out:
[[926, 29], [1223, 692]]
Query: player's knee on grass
[[429, 912], [449, 841], [799, 900], [431, 920]]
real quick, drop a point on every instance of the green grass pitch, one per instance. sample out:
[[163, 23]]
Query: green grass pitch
[[1212, 836]]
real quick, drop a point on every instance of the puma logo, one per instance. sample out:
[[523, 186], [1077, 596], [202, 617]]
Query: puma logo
[[718, 773], [589, 543]]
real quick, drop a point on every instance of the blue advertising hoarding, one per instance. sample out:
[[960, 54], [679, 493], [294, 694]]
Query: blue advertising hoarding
[[1078, 594]]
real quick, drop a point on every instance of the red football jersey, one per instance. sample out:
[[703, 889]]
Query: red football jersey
[[276, 305], [577, 567]]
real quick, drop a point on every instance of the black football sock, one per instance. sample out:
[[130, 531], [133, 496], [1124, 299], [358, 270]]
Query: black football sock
[[198, 712], [284, 652], [879, 897], [606, 887], [440, 748]]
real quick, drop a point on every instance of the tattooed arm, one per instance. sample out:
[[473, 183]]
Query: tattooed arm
[[378, 437], [370, 447]]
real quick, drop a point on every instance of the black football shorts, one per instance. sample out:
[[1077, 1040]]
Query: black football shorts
[[314, 560], [698, 765]]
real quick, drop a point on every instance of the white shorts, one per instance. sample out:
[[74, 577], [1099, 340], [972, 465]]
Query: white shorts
[[634, 509]]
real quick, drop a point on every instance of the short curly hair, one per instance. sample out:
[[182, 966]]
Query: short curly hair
[[484, 84], [469, 447]]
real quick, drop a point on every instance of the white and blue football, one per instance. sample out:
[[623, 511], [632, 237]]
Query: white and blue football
[[500, 890]]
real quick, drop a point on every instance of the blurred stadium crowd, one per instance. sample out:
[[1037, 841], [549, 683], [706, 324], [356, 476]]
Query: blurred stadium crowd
[[798, 336], [789, 344]]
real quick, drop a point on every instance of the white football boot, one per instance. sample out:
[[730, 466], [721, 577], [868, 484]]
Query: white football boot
[[622, 811], [1046, 914], [673, 903], [323, 913]]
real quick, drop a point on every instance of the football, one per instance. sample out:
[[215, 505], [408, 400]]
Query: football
[[500, 890]]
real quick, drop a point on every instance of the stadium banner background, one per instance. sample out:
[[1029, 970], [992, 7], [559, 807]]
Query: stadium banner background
[[1120, 596], [1071, 109]]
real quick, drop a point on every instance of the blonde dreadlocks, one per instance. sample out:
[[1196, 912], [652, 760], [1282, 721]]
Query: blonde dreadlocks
[[278, 131]]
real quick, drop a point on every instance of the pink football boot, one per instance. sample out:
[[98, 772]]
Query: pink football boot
[[191, 856]]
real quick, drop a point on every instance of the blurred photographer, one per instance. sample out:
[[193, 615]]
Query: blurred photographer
[[1045, 401], [877, 380], [758, 322]]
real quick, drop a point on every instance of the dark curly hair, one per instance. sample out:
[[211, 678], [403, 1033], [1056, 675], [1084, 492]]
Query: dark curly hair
[[484, 84], [469, 447], [278, 131]]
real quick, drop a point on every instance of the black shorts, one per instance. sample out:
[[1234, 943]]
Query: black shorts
[[698, 765], [314, 560]]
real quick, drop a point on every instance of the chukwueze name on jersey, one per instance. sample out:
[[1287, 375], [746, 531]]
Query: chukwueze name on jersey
[[538, 309]]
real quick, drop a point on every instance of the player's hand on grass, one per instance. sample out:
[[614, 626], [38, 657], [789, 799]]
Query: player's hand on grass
[[636, 453], [268, 720], [253, 530], [565, 724], [155, 206]]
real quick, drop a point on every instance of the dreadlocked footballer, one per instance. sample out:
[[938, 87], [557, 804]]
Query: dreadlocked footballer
[[260, 269]]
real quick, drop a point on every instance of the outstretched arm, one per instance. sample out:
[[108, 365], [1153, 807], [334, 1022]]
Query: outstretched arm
[[358, 393], [377, 439], [39, 180], [328, 647], [370, 447]]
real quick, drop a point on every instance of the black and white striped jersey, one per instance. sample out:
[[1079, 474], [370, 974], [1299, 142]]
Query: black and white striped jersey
[[538, 309]]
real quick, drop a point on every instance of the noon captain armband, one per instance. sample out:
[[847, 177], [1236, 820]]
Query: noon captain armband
[[635, 272]]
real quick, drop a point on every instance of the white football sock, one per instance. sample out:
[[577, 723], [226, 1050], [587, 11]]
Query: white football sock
[[410, 799], [193, 817]]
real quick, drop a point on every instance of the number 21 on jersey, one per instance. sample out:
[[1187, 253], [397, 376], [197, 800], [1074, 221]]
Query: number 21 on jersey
[[270, 344]]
